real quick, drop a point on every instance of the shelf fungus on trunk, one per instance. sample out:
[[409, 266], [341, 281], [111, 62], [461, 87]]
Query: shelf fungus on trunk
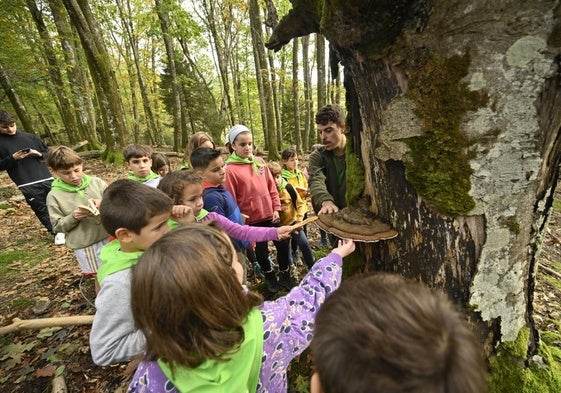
[[356, 223]]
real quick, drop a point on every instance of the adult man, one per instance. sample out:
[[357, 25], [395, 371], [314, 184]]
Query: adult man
[[22, 155], [327, 169]]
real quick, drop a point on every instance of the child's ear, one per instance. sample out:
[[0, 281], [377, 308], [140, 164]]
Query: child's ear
[[123, 235]]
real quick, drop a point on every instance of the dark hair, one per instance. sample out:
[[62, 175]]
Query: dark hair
[[288, 153], [130, 204], [173, 183], [195, 142], [62, 157], [331, 112], [201, 157], [381, 333], [186, 298], [159, 160], [136, 151], [6, 119]]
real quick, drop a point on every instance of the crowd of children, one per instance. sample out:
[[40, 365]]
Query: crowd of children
[[168, 250]]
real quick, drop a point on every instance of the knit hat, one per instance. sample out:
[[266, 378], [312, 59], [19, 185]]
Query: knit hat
[[235, 131]]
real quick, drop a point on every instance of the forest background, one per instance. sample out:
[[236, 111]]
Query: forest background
[[123, 71], [155, 72]]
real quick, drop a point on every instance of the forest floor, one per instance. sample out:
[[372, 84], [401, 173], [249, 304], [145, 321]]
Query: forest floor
[[41, 280]]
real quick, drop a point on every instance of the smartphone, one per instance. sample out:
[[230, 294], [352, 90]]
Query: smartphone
[[25, 150]]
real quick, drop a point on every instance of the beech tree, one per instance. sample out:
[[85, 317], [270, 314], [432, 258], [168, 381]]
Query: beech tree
[[454, 117]]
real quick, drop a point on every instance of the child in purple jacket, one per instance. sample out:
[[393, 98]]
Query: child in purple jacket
[[204, 331], [186, 190]]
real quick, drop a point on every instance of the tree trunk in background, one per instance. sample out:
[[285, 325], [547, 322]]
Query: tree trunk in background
[[262, 72], [223, 55], [63, 104], [99, 62], [16, 102], [308, 116], [459, 113], [296, 96], [176, 91], [278, 127], [320, 56], [76, 71], [126, 19]]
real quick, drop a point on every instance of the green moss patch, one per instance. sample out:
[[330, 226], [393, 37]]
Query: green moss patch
[[439, 168], [509, 373], [354, 177], [352, 264]]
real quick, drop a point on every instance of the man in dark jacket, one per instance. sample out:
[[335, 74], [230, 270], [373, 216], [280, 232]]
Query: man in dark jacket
[[327, 168], [22, 155]]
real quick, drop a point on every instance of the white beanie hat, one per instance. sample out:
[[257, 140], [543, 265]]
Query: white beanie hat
[[235, 131]]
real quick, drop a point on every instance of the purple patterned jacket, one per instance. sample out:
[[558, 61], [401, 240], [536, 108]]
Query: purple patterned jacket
[[288, 324]]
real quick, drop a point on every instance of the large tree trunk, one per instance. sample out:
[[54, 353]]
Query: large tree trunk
[[264, 82], [153, 132], [62, 102], [103, 75], [457, 121], [77, 74], [176, 91]]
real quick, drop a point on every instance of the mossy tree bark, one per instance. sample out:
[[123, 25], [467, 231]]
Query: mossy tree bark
[[103, 76], [455, 112]]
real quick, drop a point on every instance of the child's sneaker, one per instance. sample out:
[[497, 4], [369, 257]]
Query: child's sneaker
[[60, 239]]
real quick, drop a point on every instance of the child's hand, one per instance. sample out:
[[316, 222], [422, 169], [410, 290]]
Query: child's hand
[[182, 214], [284, 232], [344, 247], [79, 214], [95, 202]]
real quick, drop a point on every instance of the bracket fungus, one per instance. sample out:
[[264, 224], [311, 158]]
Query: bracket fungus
[[356, 223]]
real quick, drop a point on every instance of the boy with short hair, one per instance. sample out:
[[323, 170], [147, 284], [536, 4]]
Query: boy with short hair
[[71, 189], [139, 162], [384, 334], [136, 216], [209, 165]]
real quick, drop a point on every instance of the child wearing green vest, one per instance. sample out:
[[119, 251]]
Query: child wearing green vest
[[138, 159], [205, 332], [136, 216], [72, 204]]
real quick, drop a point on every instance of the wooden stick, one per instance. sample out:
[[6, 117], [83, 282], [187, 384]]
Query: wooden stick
[[549, 270], [305, 222], [19, 324]]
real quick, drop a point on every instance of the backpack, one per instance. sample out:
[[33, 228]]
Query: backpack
[[293, 194]]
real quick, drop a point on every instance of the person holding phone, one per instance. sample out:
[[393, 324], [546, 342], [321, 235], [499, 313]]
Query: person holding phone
[[22, 155]]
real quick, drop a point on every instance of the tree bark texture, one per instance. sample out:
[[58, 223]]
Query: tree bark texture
[[457, 122], [15, 100], [103, 75], [262, 73]]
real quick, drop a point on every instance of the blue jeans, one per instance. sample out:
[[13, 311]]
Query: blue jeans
[[300, 239]]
